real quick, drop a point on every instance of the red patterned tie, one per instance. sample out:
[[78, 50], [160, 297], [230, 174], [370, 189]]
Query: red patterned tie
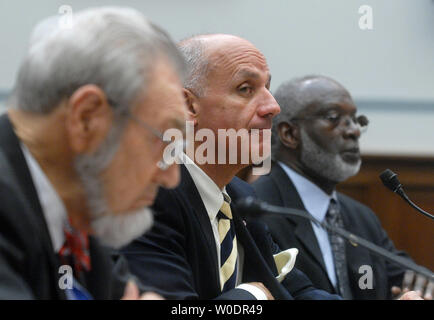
[[76, 248]]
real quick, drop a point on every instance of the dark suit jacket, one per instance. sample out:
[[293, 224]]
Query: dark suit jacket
[[277, 189], [178, 256], [29, 268]]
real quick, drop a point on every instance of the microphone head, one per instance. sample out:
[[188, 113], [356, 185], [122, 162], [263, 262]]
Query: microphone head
[[390, 180], [249, 207]]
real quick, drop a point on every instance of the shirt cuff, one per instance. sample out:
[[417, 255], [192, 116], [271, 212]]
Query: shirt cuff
[[255, 291]]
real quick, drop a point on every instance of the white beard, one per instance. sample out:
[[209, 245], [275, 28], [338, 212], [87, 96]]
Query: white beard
[[328, 165], [112, 229], [118, 230]]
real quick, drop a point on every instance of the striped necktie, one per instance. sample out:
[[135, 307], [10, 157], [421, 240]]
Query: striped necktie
[[334, 218], [228, 248]]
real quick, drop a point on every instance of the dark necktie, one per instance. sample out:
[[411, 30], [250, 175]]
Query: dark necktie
[[337, 244], [228, 248]]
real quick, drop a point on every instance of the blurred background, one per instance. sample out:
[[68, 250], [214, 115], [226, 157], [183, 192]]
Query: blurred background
[[389, 70]]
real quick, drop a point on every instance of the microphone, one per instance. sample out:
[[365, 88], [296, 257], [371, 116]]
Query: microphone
[[390, 180], [255, 208]]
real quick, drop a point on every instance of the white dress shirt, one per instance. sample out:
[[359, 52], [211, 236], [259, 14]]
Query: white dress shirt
[[316, 202], [52, 206], [212, 198]]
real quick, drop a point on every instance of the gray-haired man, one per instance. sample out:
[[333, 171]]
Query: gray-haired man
[[315, 146], [80, 153]]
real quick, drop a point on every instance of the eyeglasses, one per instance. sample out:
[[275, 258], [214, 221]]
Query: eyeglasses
[[337, 119], [178, 145]]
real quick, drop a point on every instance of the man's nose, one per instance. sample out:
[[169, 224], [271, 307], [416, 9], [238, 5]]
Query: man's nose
[[169, 178], [268, 106], [351, 129]]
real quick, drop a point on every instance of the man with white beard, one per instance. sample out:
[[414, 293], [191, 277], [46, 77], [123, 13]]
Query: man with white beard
[[315, 145], [81, 154]]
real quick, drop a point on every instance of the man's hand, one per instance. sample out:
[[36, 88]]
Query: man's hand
[[415, 282], [410, 295], [132, 293], [261, 286]]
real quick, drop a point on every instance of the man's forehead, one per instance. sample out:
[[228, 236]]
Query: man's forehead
[[251, 73], [320, 85], [213, 41], [233, 50], [321, 94]]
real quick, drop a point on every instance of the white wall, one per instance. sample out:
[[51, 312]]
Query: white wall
[[393, 63]]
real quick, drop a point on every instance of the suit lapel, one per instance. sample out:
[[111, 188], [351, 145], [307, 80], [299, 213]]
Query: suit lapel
[[16, 158], [10, 144], [190, 192], [258, 269], [255, 267], [291, 199]]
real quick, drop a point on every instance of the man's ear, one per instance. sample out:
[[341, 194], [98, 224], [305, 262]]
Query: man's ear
[[89, 118], [193, 106], [289, 134]]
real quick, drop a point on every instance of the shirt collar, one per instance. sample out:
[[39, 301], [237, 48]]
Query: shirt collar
[[212, 197], [314, 199], [52, 206]]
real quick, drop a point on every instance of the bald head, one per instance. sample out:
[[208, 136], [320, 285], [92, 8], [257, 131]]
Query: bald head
[[213, 43], [204, 53], [297, 97]]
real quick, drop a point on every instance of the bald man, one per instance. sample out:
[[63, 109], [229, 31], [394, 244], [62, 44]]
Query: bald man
[[200, 248], [315, 146]]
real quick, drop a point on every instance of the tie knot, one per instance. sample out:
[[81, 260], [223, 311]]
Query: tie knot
[[226, 210], [333, 210], [76, 247], [333, 216]]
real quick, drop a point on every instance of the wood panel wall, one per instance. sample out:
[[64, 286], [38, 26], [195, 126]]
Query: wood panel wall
[[409, 230]]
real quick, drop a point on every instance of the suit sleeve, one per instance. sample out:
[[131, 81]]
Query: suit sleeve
[[297, 283], [121, 274], [13, 284], [158, 258], [395, 272]]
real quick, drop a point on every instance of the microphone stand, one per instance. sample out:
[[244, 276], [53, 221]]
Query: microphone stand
[[403, 195], [254, 207], [391, 182]]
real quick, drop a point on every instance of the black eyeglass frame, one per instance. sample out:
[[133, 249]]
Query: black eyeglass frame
[[361, 120]]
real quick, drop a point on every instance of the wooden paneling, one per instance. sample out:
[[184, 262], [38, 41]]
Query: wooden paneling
[[409, 230]]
